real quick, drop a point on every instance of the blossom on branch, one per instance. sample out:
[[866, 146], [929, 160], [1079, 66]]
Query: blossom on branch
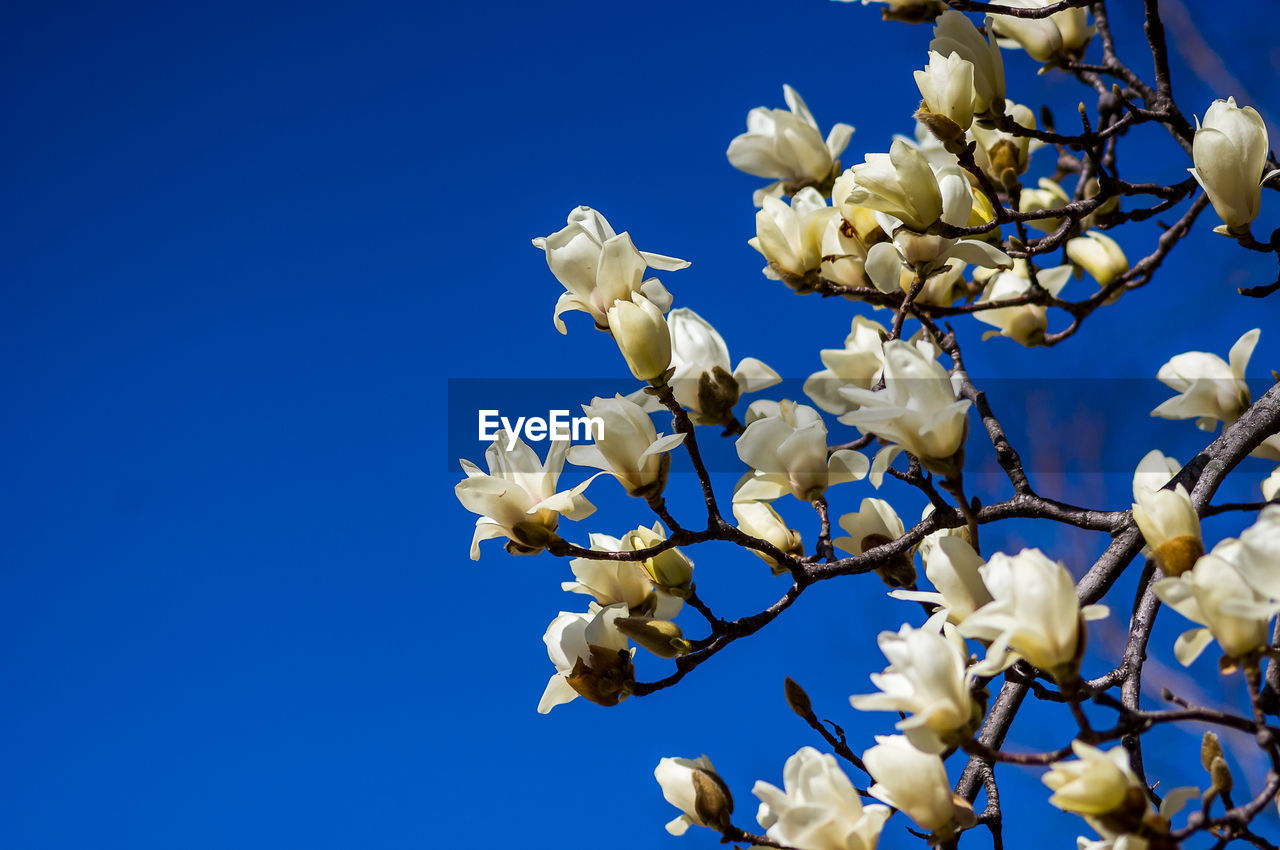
[[702, 381], [787, 147], [785, 444], [629, 448], [1062, 35], [591, 658], [819, 808], [916, 784], [1169, 523], [790, 237], [875, 524], [928, 680], [760, 520], [1099, 785], [640, 330], [1034, 614], [1215, 594], [599, 267], [1230, 155], [955, 570], [955, 33], [610, 582], [517, 497], [694, 787], [1210, 389], [918, 408]]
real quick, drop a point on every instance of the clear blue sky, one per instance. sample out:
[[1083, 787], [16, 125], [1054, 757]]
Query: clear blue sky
[[244, 248]]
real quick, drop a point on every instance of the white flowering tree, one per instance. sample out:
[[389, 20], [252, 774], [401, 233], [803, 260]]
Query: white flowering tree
[[963, 224]]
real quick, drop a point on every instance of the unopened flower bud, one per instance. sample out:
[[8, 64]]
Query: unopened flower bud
[[661, 637], [694, 787], [759, 519], [1210, 749], [1099, 255], [640, 330], [1171, 526], [797, 700], [671, 570], [1220, 774], [1230, 156]]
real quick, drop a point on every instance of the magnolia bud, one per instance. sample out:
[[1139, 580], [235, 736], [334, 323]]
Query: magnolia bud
[[1099, 255], [946, 84], [671, 570], [797, 699], [641, 332], [1230, 155], [759, 519], [694, 787], [1171, 526], [713, 803], [661, 637], [1210, 749], [1220, 774]]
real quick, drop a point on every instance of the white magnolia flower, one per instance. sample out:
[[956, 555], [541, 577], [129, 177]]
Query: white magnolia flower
[[787, 146], [955, 33], [591, 658], [917, 409], [626, 582], [759, 519], [786, 445], [1216, 595], [875, 524], [1230, 156], [694, 787], [1048, 196], [629, 447], [913, 782], [1259, 553], [904, 185], [890, 265], [1155, 470], [1099, 255], [1097, 783], [926, 679], [640, 330], [1210, 389], [1271, 485], [859, 364], [819, 808], [517, 497], [1024, 323], [1034, 614], [599, 267], [790, 236], [1062, 34], [955, 570], [702, 381], [946, 84], [1169, 523], [998, 152], [671, 570]]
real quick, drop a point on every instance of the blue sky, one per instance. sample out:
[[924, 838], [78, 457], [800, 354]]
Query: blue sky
[[246, 248]]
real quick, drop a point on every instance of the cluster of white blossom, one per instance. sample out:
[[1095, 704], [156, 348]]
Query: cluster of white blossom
[[918, 228]]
